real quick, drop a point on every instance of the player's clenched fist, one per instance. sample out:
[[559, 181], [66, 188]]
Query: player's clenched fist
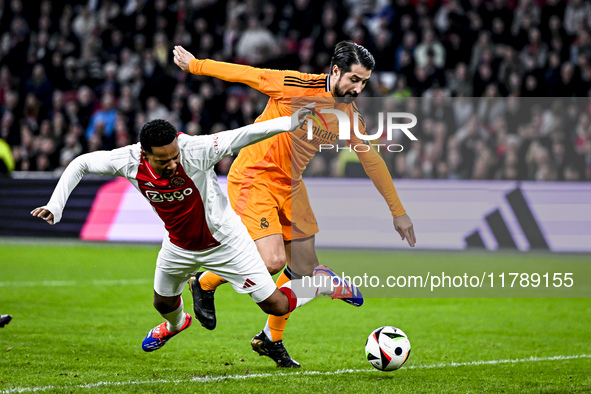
[[182, 57]]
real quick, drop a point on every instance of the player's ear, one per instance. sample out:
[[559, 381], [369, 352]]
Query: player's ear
[[336, 71]]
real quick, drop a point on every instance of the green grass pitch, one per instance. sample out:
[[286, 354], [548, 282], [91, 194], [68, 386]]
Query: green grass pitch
[[81, 311]]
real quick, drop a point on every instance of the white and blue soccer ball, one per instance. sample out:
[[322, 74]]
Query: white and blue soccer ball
[[387, 348]]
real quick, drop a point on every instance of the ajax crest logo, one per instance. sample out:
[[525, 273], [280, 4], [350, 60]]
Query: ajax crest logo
[[177, 181]]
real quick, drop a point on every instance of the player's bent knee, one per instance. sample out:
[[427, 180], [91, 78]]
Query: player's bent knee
[[277, 304], [275, 264], [165, 304], [272, 250]]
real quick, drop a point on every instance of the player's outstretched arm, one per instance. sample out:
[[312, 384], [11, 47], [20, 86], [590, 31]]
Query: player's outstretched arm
[[95, 162], [230, 72], [225, 143], [256, 132]]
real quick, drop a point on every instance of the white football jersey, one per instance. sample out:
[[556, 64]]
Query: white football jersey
[[190, 203]]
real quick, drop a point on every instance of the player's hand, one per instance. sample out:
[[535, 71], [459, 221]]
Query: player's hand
[[43, 214], [300, 115], [182, 58], [403, 225]]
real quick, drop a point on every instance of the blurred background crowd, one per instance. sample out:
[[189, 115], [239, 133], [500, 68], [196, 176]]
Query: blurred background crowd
[[85, 75]]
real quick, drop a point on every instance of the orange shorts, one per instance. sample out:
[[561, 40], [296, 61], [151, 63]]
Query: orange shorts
[[266, 208]]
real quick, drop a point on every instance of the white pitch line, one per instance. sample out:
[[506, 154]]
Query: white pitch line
[[64, 283], [496, 362], [211, 379]]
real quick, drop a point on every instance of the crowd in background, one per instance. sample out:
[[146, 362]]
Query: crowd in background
[[85, 75]]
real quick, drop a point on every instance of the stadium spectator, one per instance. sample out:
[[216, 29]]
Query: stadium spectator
[[405, 50], [39, 86], [535, 49], [256, 44], [429, 47], [577, 16], [510, 65], [84, 23], [526, 10], [102, 122], [109, 83], [460, 81], [155, 110], [72, 147]]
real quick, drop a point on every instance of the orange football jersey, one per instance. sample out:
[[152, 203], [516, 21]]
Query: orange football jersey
[[284, 157]]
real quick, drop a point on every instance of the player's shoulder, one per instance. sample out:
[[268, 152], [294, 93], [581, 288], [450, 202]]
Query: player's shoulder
[[193, 145], [306, 77], [185, 140], [126, 159], [299, 80], [127, 152]]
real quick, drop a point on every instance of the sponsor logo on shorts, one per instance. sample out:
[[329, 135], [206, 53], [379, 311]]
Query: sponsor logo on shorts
[[177, 181], [248, 283], [264, 223]]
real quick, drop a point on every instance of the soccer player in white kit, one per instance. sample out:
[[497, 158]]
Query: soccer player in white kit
[[174, 172]]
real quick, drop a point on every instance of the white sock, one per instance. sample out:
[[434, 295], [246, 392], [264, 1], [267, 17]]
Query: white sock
[[312, 286], [175, 319], [305, 290], [267, 331]]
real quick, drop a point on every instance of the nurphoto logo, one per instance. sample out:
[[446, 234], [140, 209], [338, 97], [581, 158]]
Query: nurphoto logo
[[391, 123]]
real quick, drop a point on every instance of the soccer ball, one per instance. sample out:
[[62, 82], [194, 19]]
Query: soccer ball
[[387, 348]]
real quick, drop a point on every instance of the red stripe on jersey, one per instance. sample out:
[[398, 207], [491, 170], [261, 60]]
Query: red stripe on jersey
[[178, 203]]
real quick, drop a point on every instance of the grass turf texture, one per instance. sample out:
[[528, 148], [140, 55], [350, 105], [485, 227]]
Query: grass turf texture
[[81, 311]]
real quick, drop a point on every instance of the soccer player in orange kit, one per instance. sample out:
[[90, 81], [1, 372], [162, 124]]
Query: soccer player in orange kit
[[265, 181]]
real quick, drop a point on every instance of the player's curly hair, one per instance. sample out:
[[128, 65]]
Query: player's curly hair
[[347, 53], [156, 132]]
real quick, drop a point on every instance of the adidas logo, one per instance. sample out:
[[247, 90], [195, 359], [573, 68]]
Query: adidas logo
[[248, 283], [500, 230], [149, 184]]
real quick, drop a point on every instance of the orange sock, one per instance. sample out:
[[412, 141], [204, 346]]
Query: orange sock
[[277, 323], [211, 281]]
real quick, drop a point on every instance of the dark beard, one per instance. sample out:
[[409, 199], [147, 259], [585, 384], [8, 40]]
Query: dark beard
[[341, 97]]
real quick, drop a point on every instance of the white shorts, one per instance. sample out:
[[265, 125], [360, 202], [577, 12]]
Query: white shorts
[[237, 260]]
